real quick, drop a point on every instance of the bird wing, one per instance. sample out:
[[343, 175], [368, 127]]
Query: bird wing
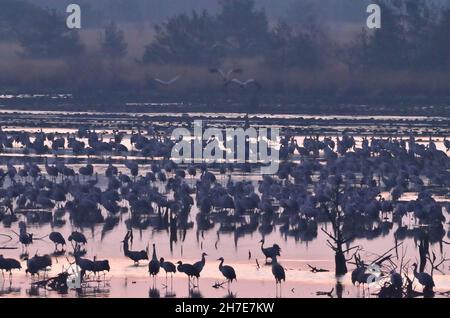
[[233, 81], [173, 80], [160, 81], [222, 73], [236, 81]]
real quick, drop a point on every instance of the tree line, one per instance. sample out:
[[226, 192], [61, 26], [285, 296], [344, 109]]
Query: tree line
[[414, 35]]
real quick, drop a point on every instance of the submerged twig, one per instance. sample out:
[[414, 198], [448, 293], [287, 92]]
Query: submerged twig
[[317, 270], [329, 294]]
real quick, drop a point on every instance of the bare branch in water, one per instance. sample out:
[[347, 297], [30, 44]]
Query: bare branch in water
[[329, 294], [317, 270]]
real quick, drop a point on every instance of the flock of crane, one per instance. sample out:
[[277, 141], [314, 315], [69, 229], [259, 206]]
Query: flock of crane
[[296, 200], [37, 263]]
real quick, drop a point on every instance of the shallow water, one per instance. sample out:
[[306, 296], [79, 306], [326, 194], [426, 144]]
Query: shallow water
[[127, 280]]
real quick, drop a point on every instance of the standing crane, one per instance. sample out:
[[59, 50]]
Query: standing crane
[[227, 271], [278, 273]]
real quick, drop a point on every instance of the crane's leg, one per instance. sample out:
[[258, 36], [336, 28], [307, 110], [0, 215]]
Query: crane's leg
[[276, 289], [281, 290]]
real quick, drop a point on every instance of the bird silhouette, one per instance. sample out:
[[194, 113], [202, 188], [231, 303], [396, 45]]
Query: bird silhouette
[[57, 239], [38, 263], [135, 256], [153, 265], [278, 273], [396, 280], [168, 267], [243, 84], [189, 270], [270, 252], [167, 82], [200, 264], [447, 144], [78, 238], [101, 266], [225, 75], [8, 264], [227, 271], [425, 279]]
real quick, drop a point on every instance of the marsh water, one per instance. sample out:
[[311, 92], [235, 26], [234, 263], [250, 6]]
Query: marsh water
[[242, 251]]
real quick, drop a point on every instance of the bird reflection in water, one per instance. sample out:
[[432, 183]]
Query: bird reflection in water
[[339, 289], [36, 291], [230, 295], [100, 290], [170, 294], [195, 293], [9, 290], [58, 253], [24, 256], [154, 292]]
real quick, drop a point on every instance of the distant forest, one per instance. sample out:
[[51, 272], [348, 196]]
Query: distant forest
[[289, 47]]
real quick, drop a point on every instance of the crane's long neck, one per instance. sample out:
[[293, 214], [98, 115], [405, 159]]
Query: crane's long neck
[[221, 264], [154, 254], [274, 260]]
